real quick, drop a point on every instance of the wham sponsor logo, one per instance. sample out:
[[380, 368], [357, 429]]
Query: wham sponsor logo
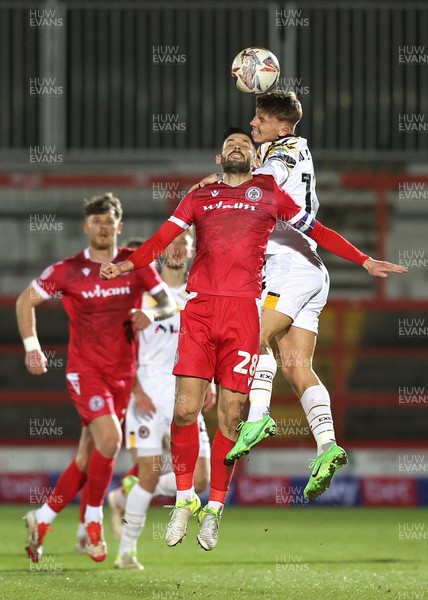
[[237, 205], [99, 292]]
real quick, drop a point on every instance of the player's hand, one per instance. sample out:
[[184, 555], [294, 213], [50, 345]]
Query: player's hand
[[141, 318], [109, 270], [380, 268], [205, 181], [144, 403], [210, 399], [36, 362]]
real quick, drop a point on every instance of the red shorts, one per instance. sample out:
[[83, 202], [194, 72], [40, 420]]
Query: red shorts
[[219, 337], [94, 395]]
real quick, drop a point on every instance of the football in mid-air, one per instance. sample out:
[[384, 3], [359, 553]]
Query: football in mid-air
[[255, 70]]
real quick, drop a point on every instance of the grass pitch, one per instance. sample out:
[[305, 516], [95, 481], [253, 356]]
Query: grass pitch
[[280, 553]]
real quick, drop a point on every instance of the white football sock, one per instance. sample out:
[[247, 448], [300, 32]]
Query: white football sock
[[261, 390], [137, 504], [93, 514], [215, 504], [316, 404], [45, 514], [186, 494], [166, 485], [81, 530]]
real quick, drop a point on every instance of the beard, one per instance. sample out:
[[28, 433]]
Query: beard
[[101, 245], [175, 266], [234, 166]]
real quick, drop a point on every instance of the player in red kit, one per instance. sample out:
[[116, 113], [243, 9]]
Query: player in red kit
[[101, 361], [219, 333]]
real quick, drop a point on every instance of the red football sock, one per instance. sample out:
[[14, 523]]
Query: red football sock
[[185, 452], [221, 474], [132, 471], [67, 486], [100, 473], [83, 501]]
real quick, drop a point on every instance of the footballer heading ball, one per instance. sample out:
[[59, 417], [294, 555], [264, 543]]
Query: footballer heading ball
[[255, 70]]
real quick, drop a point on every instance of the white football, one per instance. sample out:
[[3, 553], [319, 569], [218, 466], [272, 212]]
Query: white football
[[255, 70]]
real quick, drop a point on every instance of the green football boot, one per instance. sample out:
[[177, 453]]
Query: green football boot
[[128, 483], [323, 469], [251, 434]]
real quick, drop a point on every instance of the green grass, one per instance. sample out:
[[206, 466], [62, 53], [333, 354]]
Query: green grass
[[306, 553]]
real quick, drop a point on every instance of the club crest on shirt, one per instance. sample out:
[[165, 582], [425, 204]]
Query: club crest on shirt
[[86, 271], [144, 432], [253, 194], [177, 358], [96, 403]]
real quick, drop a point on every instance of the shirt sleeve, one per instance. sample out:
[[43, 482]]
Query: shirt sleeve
[[183, 214], [279, 160], [287, 208], [154, 246], [276, 168], [327, 238], [50, 281], [335, 243], [176, 224]]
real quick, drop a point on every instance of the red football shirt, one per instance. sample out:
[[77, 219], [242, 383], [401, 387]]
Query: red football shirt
[[101, 333], [233, 225]]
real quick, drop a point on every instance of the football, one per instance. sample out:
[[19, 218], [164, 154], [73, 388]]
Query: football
[[255, 70]]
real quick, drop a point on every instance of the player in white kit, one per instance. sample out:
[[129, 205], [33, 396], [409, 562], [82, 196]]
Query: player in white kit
[[150, 411]]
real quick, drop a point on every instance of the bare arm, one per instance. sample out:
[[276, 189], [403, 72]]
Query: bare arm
[[165, 307], [143, 402], [35, 360]]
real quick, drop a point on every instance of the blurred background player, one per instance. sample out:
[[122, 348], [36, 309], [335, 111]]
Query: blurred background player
[[149, 414], [101, 362], [117, 497], [220, 323]]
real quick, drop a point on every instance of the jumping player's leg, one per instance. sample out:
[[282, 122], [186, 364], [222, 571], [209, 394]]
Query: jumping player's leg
[[291, 303], [230, 407], [297, 347], [153, 482], [190, 393], [260, 424]]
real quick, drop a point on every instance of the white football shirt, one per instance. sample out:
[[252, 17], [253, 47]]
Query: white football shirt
[[289, 161]]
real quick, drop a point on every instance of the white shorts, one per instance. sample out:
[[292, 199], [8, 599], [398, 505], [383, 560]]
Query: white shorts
[[296, 289], [150, 435]]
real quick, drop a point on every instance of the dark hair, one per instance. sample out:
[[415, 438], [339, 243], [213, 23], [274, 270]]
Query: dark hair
[[231, 130], [285, 106], [99, 205]]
